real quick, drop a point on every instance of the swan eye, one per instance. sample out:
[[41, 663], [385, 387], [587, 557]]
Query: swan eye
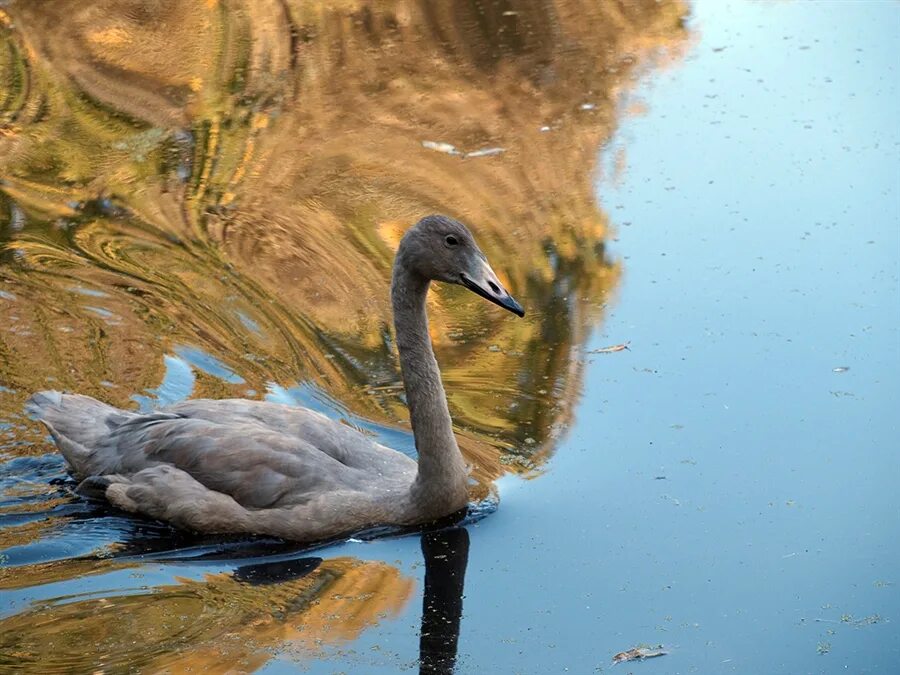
[[451, 240]]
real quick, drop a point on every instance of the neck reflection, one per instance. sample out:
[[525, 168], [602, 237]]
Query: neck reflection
[[446, 554]]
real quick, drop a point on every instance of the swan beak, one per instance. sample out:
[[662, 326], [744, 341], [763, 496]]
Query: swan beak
[[484, 282]]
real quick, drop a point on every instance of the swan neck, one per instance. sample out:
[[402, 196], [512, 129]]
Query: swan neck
[[440, 486]]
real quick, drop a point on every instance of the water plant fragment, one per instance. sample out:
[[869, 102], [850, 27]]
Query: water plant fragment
[[639, 654], [611, 349]]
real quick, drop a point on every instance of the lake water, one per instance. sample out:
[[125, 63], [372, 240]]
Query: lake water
[[202, 200]]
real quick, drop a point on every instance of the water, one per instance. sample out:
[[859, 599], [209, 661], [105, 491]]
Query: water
[[203, 202]]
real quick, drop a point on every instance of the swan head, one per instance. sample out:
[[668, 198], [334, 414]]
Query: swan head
[[440, 248]]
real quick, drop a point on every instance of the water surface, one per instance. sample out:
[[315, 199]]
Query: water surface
[[203, 200]]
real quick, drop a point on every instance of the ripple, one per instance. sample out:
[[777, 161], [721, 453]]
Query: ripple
[[204, 200], [304, 605]]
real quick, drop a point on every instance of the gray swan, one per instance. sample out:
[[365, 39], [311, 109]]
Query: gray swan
[[240, 466]]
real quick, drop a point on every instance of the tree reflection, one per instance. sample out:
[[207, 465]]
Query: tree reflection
[[220, 623], [291, 606], [229, 180], [234, 177]]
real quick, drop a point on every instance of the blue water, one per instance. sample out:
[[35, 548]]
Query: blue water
[[727, 485], [723, 491]]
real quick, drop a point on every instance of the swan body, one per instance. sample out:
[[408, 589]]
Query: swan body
[[240, 466]]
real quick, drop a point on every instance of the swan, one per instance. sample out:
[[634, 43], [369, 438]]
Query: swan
[[241, 466]]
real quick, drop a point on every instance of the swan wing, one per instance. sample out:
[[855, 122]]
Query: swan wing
[[167, 493], [345, 444], [251, 453], [256, 466]]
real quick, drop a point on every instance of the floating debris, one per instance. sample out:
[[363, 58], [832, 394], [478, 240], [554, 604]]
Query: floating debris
[[449, 149], [823, 647], [610, 350], [840, 369], [865, 621], [639, 654], [517, 460], [485, 152], [848, 619], [446, 148], [587, 106]]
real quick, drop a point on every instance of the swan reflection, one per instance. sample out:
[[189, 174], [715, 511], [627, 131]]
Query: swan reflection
[[446, 555], [219, 623], [294, 608]]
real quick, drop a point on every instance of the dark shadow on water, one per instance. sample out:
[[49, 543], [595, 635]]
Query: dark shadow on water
[[446, 555], [141, 539], [163, 543], [276, 572]]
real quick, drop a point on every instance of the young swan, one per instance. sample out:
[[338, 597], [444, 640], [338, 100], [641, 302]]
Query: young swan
[[265, 468]]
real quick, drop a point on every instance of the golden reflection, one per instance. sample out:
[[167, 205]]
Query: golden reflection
[[26, 533], [216, 625], [234, 177], [12, 578]]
